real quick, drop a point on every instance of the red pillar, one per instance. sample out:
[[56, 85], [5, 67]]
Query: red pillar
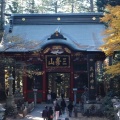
[[71, 86]]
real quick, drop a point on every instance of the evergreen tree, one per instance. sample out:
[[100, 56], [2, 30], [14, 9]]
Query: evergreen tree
[[18, 6], [14, 7], [115, 81], [66, 6], [51, 6], [31, 7], [102, 3]]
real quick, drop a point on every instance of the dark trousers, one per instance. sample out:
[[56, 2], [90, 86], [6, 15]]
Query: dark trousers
[[63, 110], [62, 96], [70, 113]]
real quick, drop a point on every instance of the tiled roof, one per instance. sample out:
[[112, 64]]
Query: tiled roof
[[82, 35]]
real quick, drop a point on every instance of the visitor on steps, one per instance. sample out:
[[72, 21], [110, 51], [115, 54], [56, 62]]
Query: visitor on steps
[[57, 111], [62, 94], [48, 98], [70, 108], [50, 116], [45, 113], [63, 106]]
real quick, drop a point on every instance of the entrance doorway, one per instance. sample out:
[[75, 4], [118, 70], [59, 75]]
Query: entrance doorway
[[58, 82]]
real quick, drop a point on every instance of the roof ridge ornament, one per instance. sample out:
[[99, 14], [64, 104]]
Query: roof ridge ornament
[[58, 29], [57, 35]]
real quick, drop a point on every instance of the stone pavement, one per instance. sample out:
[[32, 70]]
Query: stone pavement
[[37, 112]]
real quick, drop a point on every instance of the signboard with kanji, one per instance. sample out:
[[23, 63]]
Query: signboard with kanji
[[91, 77], [57, 61]]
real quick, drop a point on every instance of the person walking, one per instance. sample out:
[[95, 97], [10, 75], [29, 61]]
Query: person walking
[[63, 106], [50, 116], [52, 97], [54, 104], [57, 111], [48, 98], [70, 108], [45, 113], [62, 94]]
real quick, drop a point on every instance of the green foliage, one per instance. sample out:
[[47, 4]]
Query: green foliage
[[114, 80], [101, 5], [113, 2], [10, 111], [107, 106], [115, 85]]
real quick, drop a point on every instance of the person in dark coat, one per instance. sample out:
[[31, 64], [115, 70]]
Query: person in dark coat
[[50, 117], [63, 106], [57, 111], [54, 96], [45, 113], [70, 108]]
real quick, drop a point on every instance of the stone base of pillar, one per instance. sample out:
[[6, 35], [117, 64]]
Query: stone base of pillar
[[10, 101], [11, 107]]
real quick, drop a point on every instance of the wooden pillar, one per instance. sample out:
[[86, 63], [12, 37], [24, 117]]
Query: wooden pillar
[[71, 78], [44, 82], [91, 77], [25, 85], [2, 78], [71, 86]]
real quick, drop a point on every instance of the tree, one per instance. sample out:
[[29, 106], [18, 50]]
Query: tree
[[31, 7], [2, 6], [51, 6], [14, 6], [112, 42], [82, 5], [18, 6], [10, 64], [102, 3], [112, 47]]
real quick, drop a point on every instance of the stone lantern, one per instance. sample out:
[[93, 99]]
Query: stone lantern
[[10, 103], [75, 94], [35, 96], [10, 97]]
